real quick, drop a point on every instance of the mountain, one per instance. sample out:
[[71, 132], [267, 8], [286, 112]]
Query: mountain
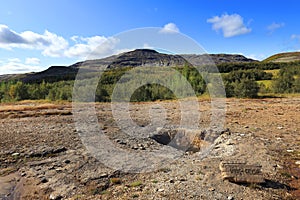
[[54, 73], [147, 57], [284, 57], [138, 57], [206, 59]]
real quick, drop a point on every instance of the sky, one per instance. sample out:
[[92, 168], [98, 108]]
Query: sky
[[37, 34]]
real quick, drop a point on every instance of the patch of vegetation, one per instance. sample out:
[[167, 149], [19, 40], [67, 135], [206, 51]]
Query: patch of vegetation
[[115, 181], [155, 181], [136, 184]]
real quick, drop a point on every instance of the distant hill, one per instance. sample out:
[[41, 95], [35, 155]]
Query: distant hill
[[54, 73], [284, 57], [138, 57], [205, 59]]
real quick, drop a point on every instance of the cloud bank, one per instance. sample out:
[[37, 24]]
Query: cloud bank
[[53, 45]]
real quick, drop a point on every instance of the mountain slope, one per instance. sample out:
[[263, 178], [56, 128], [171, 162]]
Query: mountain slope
[[284, 57], [138, 57], [206, 59]]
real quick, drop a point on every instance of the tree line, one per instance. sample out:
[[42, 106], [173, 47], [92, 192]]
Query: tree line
[[170, 84]]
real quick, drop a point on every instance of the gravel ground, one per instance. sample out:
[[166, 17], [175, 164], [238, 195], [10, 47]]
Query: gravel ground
[[43, 157]]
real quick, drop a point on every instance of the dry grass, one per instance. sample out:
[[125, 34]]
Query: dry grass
[[30, 105], [31, 108], [10, 108]]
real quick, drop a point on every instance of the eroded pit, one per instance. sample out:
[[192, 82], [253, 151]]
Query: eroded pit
[[189, 140]]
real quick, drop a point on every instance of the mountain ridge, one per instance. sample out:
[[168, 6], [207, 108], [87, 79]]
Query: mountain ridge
[[284, 57], [138, 57]]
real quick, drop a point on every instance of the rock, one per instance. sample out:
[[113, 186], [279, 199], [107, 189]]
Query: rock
[[161, 190], [54, 196], [240, 172], [290, 150], [142, 148], [211, 189], [229, 142], [44, 180], [230, 198], [135, 147], [67, 161], [297, 162], [15, 154]]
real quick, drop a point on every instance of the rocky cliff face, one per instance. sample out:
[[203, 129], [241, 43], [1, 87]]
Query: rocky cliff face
[[147, 57]]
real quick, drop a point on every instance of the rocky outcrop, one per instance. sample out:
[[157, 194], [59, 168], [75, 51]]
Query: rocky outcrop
[[147, 57]]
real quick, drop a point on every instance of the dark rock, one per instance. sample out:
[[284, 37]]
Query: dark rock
[[44, 180]]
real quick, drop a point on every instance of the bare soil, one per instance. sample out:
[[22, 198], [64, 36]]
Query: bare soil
[[42, 155]]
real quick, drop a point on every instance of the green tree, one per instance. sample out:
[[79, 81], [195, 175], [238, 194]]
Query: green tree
[[18, 91], [284, 83], [246, 88]]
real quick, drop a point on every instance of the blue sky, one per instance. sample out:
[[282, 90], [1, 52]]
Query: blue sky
[[36, 34]]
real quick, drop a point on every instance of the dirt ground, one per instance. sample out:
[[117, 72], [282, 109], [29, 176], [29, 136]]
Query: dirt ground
[[43, 157]]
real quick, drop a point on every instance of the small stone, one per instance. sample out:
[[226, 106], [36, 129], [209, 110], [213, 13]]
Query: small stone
[[278, 166], [135, 147], [58, 170], [230, 198], [279, 127], [297, 162], [290, 150], [15, 154], [44, 180], [171, 181], [142, 148], [161, 190], [229, 142], [246, 126], [55, 197], [23, 174], [211, 189], [67, 161]]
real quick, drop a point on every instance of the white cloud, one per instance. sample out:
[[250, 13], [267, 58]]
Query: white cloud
[[169, 28], [294, 36], [50, 43], [14, 60], [53, 45], [95, 47], [15, 65], [274, 26], [32, 61], [231, 25], [257, 56]]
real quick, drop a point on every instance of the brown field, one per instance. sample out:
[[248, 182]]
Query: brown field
[[42, 156]]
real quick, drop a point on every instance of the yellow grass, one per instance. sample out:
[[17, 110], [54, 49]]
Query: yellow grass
[[274, 72], [27, 105], [267, 83]]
